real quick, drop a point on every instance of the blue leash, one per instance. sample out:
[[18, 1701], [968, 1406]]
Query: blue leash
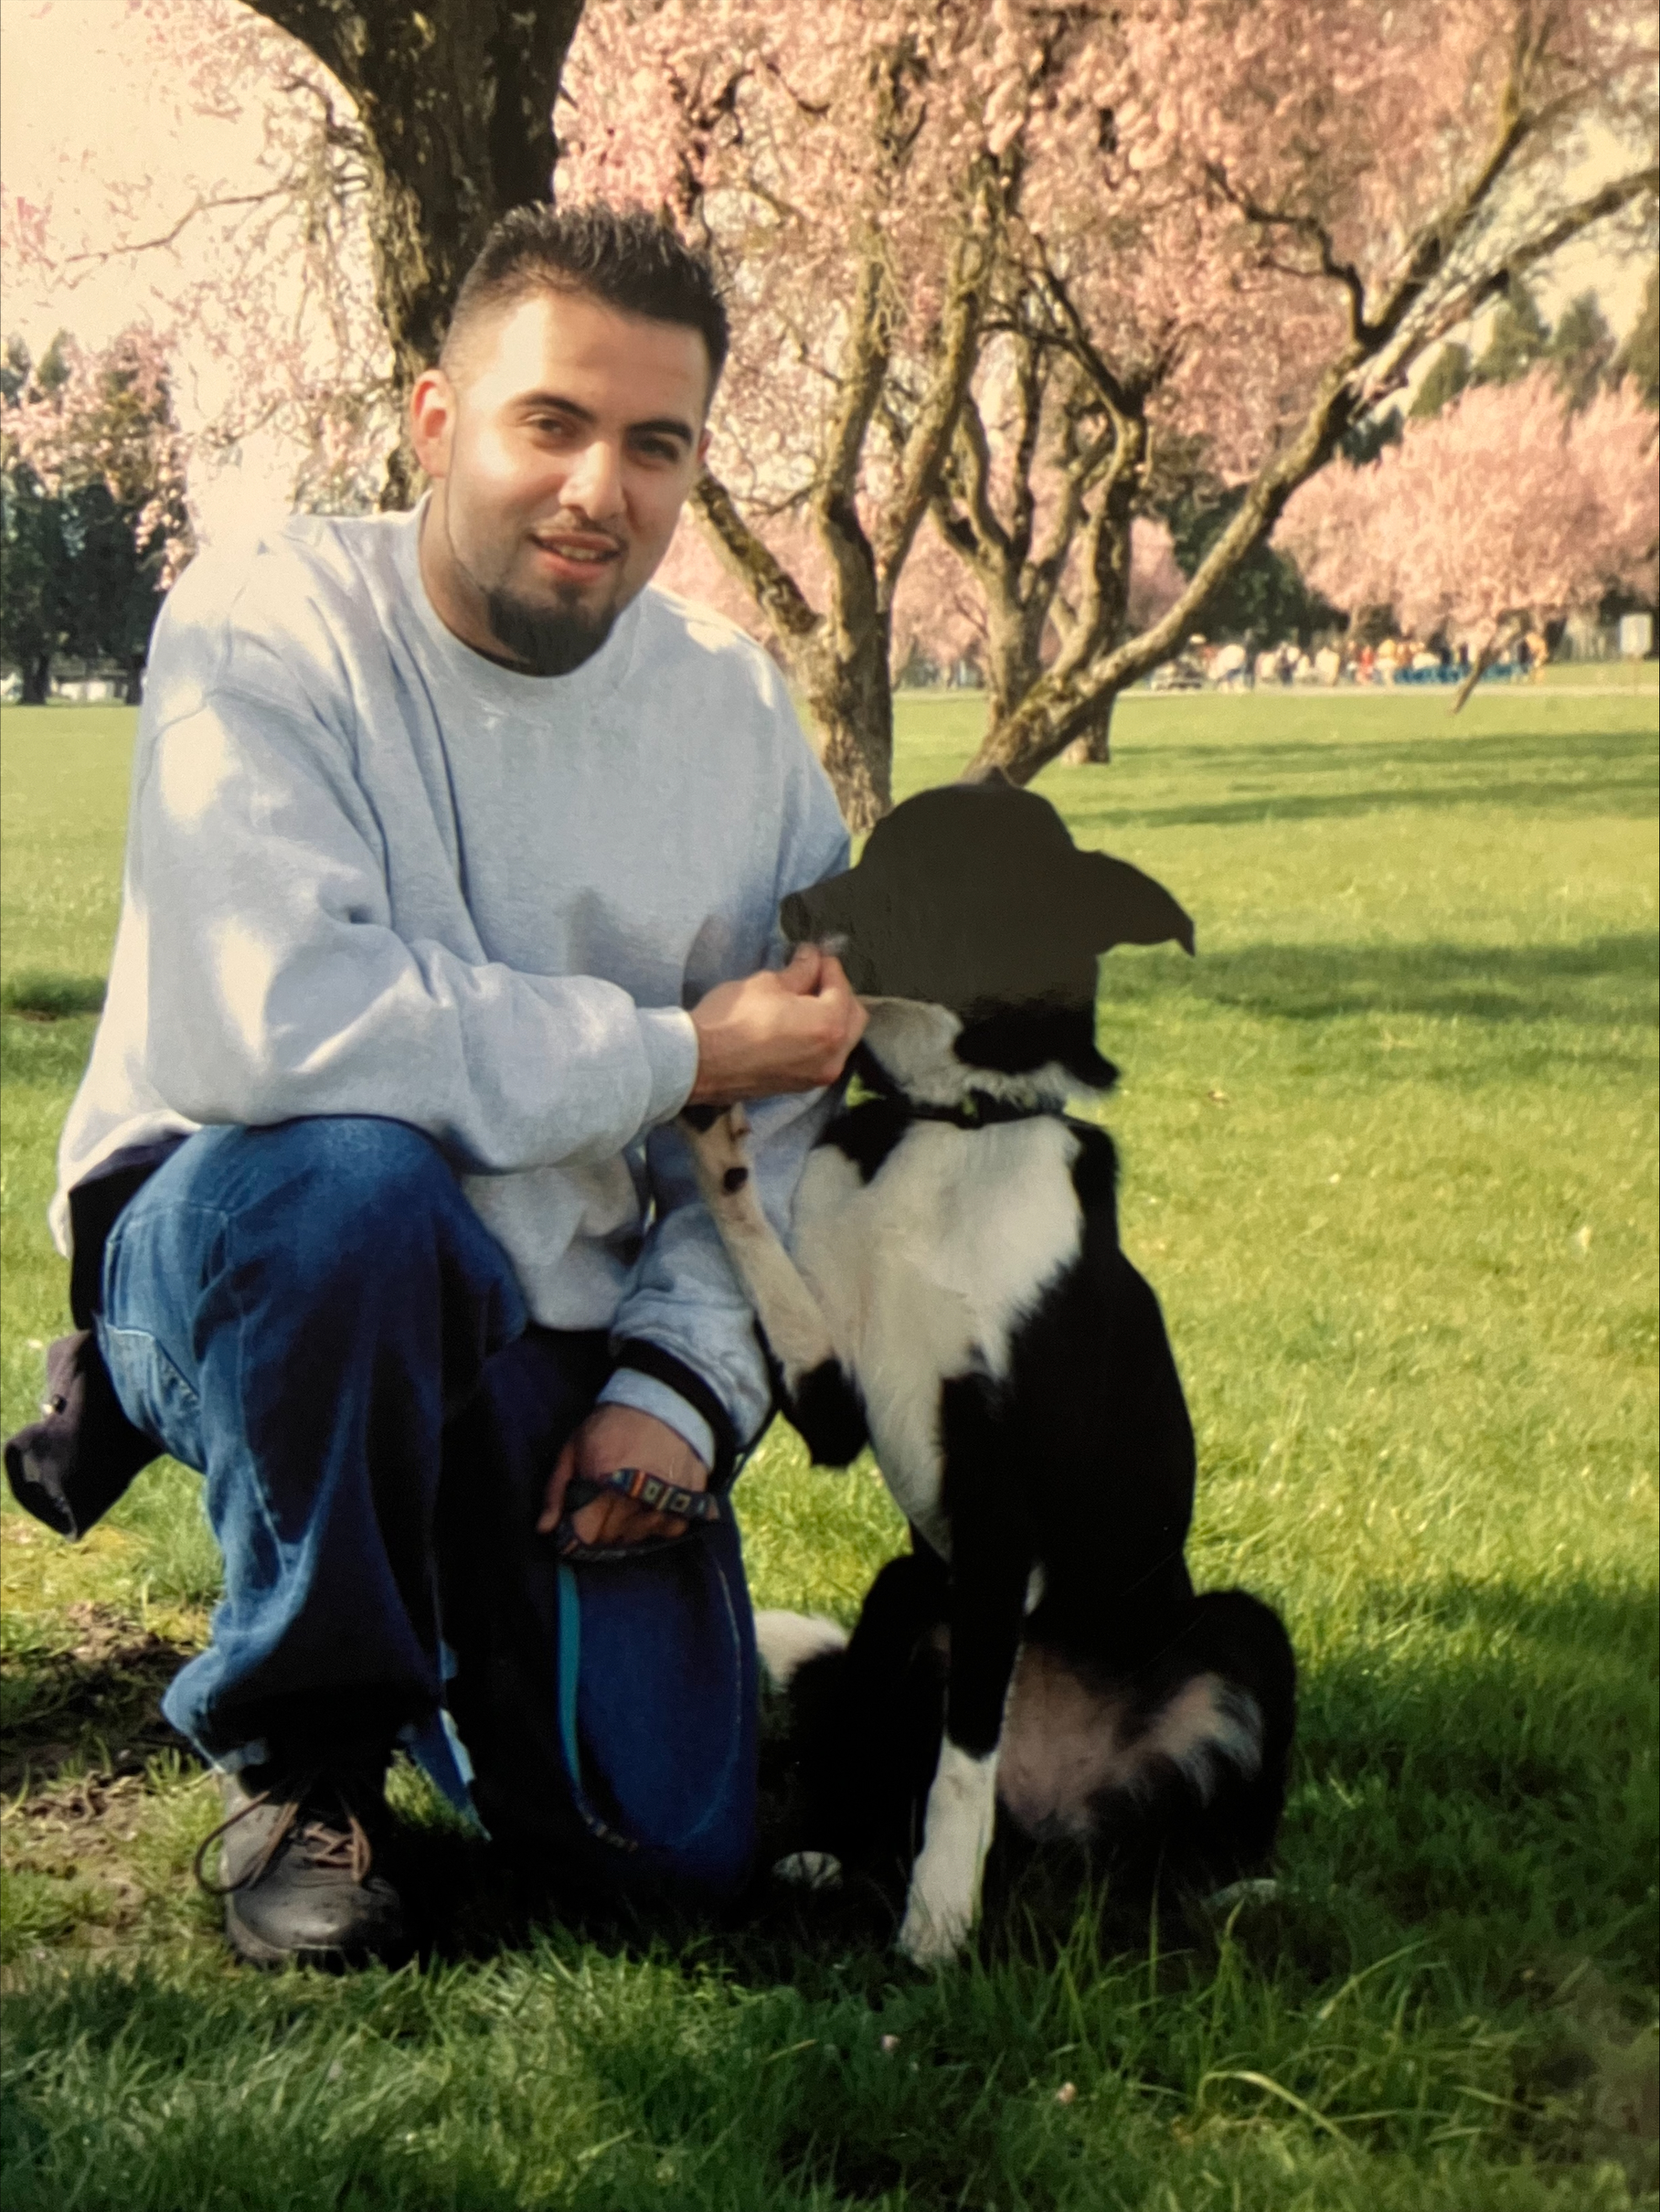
[[570, 1654]]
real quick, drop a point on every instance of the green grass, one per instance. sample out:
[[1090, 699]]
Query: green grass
[[1389, 1159]]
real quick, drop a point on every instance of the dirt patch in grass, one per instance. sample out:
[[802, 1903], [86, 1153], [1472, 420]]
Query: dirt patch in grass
[[79, 1831], [95, 1698]]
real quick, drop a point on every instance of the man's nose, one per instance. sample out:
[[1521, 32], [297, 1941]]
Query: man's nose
[[595, 482]]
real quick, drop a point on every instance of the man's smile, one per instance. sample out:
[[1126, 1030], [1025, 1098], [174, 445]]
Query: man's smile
[[574, 556]]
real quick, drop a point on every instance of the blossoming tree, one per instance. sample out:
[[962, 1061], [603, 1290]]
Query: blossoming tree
[[95, 525], [989, 255], [1504, 510]]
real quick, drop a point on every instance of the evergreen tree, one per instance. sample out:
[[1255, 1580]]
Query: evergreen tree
[[1520, 337], [1583, 349], [92, 519], [34, 605], [1369, 439], [1639, 357], [1265, 600], [1447, 375]]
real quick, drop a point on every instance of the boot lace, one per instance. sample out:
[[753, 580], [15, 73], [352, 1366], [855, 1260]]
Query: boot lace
[[315, 1813]]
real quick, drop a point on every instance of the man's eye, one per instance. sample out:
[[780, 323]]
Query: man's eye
[[657, 449]]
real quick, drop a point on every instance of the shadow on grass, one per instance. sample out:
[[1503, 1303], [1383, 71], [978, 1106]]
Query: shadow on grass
[[1455, 750], [1476, 1757], [1599, 982], [43, 997], [1484, 1753], [99, 1696], [790, 2053], [1633, 796]]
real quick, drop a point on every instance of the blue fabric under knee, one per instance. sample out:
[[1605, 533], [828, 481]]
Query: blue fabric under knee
[[314, 1316]]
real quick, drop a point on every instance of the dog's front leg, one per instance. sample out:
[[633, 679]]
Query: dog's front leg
[[991, 1557], [818, 1395]]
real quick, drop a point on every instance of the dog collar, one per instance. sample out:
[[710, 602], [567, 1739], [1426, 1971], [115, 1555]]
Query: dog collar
[[975, 1109]]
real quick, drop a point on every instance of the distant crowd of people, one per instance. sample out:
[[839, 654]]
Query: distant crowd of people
[[1391, 661]]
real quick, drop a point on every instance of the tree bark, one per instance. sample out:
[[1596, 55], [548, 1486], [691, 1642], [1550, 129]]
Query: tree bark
[[36, 679], [1496, 644], [1092, 748], [839, 658], [850, 692], [455, 102]]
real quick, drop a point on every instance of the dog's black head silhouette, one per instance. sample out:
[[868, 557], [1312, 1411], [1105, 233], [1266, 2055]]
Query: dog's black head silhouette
[[974, 896]]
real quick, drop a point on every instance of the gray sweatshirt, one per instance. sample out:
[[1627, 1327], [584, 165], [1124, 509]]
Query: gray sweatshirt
[[370, 872]]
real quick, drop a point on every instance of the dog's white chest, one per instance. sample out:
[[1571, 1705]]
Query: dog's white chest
[[924, 1272]]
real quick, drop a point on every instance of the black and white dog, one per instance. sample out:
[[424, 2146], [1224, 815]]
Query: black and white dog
[[952, 1292]]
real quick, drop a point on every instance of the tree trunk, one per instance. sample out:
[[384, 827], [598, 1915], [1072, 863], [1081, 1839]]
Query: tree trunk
[[839, 658], [132, 692], [851, 700], [1481, 663], [36, 679], [1014, 642], [455, 101], [1023, 591], [1094, 748]]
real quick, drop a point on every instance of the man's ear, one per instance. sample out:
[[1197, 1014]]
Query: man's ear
[[432, 406]]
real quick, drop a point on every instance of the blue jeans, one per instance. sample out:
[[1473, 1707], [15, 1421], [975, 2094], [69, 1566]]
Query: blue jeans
[[313, 1316]]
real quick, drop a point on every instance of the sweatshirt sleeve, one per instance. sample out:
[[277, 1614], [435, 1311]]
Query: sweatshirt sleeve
[[278, 987], [683, 1298]]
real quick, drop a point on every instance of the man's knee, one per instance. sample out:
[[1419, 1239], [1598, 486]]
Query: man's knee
[[360, 1163], [339, 1183], [310, 1205]]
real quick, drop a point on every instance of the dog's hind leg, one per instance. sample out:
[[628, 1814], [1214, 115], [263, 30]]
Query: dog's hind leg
[[818, 1397], [866, 1723], [991, 1559]]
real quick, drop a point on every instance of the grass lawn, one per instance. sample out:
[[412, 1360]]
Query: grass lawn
[[1390, 1160]]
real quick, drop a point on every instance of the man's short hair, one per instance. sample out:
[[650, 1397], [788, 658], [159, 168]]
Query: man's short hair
[[622, 257]]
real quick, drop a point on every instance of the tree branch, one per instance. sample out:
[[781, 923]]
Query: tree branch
[[774, 590], [1303, 226], [1118, 394], [931, 435], [166, 238], [976, 449], [1390, 369]]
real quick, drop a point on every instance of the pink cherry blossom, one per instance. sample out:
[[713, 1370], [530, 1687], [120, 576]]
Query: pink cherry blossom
[[1175, 226], [1500, 511]]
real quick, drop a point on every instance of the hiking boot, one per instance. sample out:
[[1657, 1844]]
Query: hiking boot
[[296, 1863]]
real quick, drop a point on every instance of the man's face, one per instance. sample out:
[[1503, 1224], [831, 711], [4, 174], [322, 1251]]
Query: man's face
[[560, 454]]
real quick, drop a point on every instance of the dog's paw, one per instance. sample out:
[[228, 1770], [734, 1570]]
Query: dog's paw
[[928, 1938], [721, 1153], [809, 1870]]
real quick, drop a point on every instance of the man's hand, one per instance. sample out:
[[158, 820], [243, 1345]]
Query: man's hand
[[613, 1437], [772, 1032]]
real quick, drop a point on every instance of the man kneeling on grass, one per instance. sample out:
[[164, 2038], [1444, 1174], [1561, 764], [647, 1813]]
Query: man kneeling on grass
[[441, 822]]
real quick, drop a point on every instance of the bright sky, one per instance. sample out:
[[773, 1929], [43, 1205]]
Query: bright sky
[[86, 104], [89, 110]]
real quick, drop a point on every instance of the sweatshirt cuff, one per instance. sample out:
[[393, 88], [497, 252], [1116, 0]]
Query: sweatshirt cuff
[[646, 1394], [671, 1052]]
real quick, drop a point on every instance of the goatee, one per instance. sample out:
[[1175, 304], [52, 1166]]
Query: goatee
[[547, 641]]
